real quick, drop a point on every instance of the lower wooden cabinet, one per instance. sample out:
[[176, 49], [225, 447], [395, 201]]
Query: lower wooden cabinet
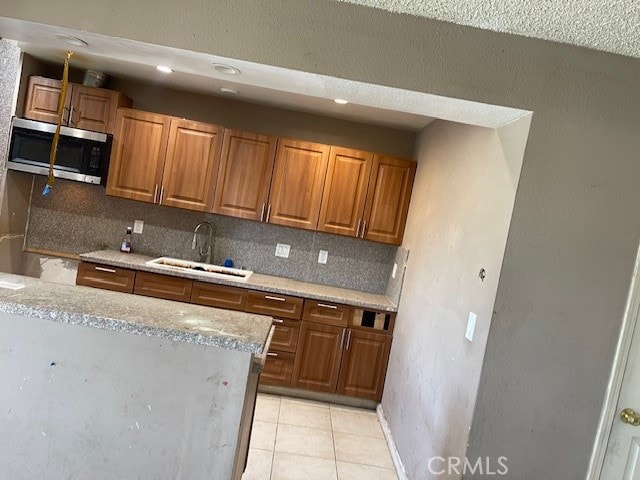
[[364, 364], [278, 369], [219, 296], [341, 360], [285, 335], [163, 286], [325, 351], [105, 277], [318, 357]]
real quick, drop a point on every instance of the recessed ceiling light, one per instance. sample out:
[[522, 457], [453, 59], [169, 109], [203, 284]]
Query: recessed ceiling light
[[341, 101], [228, 90], [75, 41], [226, 69], [164, 69]]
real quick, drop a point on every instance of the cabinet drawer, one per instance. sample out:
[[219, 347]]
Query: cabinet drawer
[[278, 369], [105, 277], [285, 335], [326, 313], [163, 286], [219, 296], [274, 304]]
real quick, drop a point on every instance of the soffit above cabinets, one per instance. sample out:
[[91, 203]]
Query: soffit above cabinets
[[257, 83]]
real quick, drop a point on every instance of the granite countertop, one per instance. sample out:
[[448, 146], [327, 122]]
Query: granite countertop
[[135, 314], [264, 283]]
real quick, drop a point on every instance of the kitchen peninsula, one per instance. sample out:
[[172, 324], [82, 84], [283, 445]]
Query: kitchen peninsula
[[99, 384]]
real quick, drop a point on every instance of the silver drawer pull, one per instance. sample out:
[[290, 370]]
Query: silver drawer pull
[[279, 299], [270, 354], [278, 320], [103, 269], [324, 305]]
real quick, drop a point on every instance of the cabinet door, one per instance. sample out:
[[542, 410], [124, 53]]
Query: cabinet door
[[318, 356], [364, 364], [137, 156], [297, 184], [191, 165], [246, 165], [345, 191], [42, 100], [105, 277], [95, 108], [388, 198]]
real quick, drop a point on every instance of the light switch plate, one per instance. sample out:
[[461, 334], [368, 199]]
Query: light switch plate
[[471, 326], [138, 225], [322, 256], [282, 250], [394, 271]]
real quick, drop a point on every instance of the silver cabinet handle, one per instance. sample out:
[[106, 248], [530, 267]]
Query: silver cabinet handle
[[342, 338], [161, 195], [348, 340], [264, 205], [278, 320], [103, 269], [268, 213], [364, 228], [359, 225], [271, 354], [324, 305], [155, 194], [279, 299], [70, 122]]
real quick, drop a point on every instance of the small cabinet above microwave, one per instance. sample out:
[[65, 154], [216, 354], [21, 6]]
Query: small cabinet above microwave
[[86, 107]]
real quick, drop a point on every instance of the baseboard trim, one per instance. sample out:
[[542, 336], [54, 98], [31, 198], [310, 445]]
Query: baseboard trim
[[395, 456]]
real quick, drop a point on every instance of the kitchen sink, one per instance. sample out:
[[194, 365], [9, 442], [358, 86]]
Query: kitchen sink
[[205, 269]]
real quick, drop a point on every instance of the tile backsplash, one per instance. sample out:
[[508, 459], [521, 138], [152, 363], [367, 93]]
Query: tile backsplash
[[77, 218]]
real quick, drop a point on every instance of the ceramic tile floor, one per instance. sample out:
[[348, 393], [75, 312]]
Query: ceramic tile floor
[[296, 439]]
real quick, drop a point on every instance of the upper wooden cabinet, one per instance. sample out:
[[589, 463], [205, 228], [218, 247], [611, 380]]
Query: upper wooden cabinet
[[191, 165], [88, 108], [345, 191], [297, 184], [164, 160], [244, 177], [388, 199], [137, 155], [366, 195]]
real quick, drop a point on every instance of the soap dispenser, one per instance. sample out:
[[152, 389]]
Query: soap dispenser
[[125, 246]]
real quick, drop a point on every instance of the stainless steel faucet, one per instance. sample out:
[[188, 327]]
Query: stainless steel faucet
[[205, 253]]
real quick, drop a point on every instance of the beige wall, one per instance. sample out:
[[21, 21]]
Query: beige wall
[[458, 223], [267, 120], [574, 231]]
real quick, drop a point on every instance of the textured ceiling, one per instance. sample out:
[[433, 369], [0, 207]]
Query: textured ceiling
[[607, 25]]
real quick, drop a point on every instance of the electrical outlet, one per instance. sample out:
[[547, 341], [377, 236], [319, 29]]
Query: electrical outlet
[[394, 271], [322, 256], [282, 250], [471, 326], [138, 225]]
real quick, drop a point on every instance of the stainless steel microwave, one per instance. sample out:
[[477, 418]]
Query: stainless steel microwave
[[82, 155]]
